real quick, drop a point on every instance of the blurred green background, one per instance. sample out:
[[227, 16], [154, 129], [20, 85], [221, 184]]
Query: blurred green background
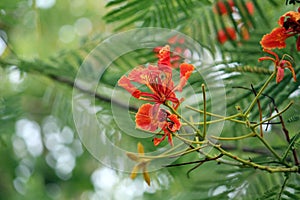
[[43, 43]]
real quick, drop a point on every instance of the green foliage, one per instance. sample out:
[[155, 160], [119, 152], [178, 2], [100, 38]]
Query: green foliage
[[47, 67]]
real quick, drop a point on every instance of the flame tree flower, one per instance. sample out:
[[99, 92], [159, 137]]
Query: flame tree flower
[[280, 65], [223, 7], [150, 118], [158, 80], [289, 26], [178, 53]]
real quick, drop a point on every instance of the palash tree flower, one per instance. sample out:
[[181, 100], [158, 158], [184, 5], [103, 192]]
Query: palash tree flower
[[150, 117], [158, 79], [141, 164], [280, 65], [289, 26]]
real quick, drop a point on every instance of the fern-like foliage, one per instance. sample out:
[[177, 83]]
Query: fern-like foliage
[[198, 19], [202, 20]]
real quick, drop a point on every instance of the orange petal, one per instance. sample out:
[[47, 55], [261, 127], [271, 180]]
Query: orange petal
[[186, 70], [185, 73], [275, 39], [157, 141], [290, 67], [250, 7], [245, 33]]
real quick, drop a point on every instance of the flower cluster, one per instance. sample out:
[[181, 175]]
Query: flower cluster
[[289, 25], [225, 7], [178, 52], [161, 91], [280, 65]]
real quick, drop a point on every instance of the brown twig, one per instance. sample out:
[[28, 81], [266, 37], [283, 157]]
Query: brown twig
[[259, 110]]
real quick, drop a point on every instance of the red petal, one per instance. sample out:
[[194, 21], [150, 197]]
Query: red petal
[[157, 49], [185, 72], [126, 84], [170, 139], [143, 118], [221, 8], [164, 56], [280, 74], [173, 39], [150, 117], [250, 7], [157, 141], [275, 39], [175, 124], [222, 38], [222, 35], [139, 75]]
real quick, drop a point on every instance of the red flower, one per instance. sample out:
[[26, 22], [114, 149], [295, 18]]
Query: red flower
[[289, 26], [280, 65], [224, 7], [222, 35], [221, 8], [158, 79], [178, 52], [164, 57], [250, 7], [150, 117]]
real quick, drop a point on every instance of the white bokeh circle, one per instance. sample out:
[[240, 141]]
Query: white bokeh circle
[[96, 134]]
